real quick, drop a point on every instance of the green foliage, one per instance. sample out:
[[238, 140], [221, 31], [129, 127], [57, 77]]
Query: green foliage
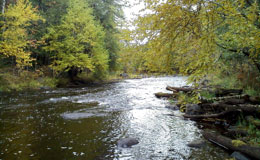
[[138, 57], [15, 39], [25, 81], [76, 37], [225, 81], [207, 95], [254, 134], [250, 125], [109, 13], [195, 39], [78, 42], [252, 91], [184, 99]]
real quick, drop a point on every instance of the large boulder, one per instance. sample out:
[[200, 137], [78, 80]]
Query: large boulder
[[127, 142], [193, 109]]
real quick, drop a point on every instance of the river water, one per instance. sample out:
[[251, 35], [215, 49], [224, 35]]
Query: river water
[[86, 123]]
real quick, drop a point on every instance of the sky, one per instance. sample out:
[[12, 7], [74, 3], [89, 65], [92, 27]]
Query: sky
[[131, 12]]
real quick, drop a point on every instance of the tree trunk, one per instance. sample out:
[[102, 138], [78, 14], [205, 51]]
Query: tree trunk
[[227, 144], [3, 6], [73, 72]]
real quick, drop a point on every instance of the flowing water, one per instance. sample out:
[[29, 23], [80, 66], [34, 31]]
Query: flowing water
[[86, 123]]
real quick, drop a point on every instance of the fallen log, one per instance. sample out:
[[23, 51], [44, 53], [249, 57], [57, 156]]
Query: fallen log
[[234, 101], [220, 92], [227, 109], [203, 116], [237, 99], [164, 95], [249, 108], [179, 89], [228, 143], [254, 100]]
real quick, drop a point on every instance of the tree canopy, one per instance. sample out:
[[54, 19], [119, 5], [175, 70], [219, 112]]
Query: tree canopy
[[193, 35], [78, 42], [15, 38]]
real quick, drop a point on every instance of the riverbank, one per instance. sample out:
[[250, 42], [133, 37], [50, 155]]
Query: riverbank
[[14, 80], [236, 113], [25, 80]]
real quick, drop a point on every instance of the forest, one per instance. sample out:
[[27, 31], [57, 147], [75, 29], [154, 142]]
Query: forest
[[55, 42], [45, 41], [48, 44]]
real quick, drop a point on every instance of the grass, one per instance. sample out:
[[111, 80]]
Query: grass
[[227, 82], [207, 95], [252, 91], [25, 80]]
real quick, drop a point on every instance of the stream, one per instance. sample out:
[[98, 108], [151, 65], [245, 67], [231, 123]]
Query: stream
[[86, 123]]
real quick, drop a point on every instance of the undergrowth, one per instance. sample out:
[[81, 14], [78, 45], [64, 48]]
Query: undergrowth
[[252, 129], [25, 80], [183, 99]]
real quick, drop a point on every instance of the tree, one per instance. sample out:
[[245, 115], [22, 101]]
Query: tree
[[52, 11], [197, 32], [15, 40], [78, 42], [109, 13], [3, 6]]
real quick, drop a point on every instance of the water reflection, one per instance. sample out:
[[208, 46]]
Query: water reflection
[[86, 123]]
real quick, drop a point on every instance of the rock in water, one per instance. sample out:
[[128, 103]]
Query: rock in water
[[127, 142]]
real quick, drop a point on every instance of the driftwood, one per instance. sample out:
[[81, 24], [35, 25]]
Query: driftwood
[[180, 89], [225, 142], [164, 95]]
